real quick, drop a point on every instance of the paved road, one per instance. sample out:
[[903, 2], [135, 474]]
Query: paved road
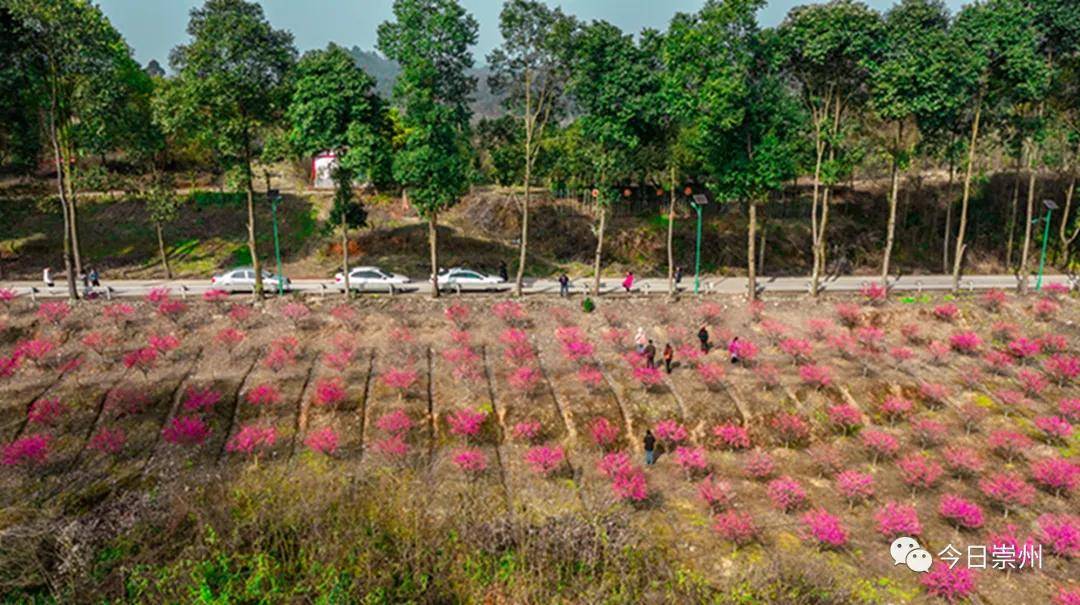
[[713, 285]]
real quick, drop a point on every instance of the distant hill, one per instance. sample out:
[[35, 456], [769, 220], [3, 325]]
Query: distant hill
[[385, 72]]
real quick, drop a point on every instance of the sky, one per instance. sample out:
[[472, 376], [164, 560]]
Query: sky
[[153, 27]]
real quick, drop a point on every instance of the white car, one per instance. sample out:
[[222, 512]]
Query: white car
[[243, 279], [365, 278], [467, 279]]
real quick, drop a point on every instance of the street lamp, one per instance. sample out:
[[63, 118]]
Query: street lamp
[[274, 196], [699, 201], [1050, 207]]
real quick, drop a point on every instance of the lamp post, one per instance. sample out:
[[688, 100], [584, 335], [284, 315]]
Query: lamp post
[[274, 196], [1050, 207], [699, 201]]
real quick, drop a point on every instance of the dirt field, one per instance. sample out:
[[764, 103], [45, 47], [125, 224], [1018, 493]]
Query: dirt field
[[496, 405]]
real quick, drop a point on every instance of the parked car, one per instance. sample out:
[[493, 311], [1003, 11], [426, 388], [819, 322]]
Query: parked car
[[242, 279], [467, 279], [369, 278]]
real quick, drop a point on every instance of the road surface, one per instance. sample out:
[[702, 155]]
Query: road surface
[[709, 285]]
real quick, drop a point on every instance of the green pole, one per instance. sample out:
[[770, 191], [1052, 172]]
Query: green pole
[[697, 253], [277, 247], [1042, 258]]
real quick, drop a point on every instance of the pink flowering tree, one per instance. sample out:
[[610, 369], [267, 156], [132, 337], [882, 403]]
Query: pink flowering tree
[[590, 377], [1045, 309], [786, 494], [844, 418], [545, 460], [109, 441], [529, 431], [648, 378], [263, 395], [965, 342], [393, 447], [1058, 476], [816, 376], [143, 359], [874, 293], [458, 315], [295, 312], [849, 313], [1010, 445], [759, 465], [400, 380], [961, 513], [471, 461], [962, 462], [29, 451], [467, 423], [200, 399], [791, 430], [53, 312], [738, 528], [323, 441], [1060, 534], [717, 494], [929, 433], [824, 529], [692, 460], [329, 392], [1007, 491], [993, 300], [603, 433], [947, 312], [186, 431], [671, 433], [920, 472], [46, 412], [854, 486], [524, 380], [230, 338], [879, 444], [800, 350], [630, 486], [712, 374], [1055, 429], [1063, 369], [951, 584], [896, 409], [730, 436], [895, 520], [252, 439]]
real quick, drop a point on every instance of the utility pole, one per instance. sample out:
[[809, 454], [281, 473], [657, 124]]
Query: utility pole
[[699, 201]]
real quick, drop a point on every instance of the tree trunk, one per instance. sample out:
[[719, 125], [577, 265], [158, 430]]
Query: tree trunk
[[433, 245], [524, 235], [69, 263], [161, 250], [751, 239], [761, 249], [1065, 240], [599, 250], [819, 145], [258, 294], [670, 238], [958, 255], [890, 232], [1024, 269], [948, 217], [1012, 213], [345, 254], [76, 248]]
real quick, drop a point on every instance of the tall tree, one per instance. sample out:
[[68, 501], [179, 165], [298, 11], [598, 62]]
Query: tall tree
[[430, 39], [908, 81], [231, 78], [1000, 61], [615, 88], [531, 69], [20, 91], [829, 50], [86, 71], [334, 108], [741, 115]]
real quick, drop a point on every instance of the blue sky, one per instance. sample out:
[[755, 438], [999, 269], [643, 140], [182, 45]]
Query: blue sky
[[153, 27]]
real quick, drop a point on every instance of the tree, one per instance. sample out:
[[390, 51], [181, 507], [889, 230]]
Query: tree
[[334, 108], [86, 74], [739, 112], [20, 90], [163, 205], [231, 75], [999, 59], [430, 39], [615, 89], [531, 69], [909, 80], [829, 50]]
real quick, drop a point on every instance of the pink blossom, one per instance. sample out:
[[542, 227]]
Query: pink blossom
[[759, 465], [164, 342], [1008, 548], [230, 337], [745, 350], [37, 350], [401, 380], [901, 354], [953, 585], [870, 338], [947, 312], [1054, 343], [344, 314], [919, 472], [512, 337], [874, 293], [880, 444], [1032, 382], [393, 447], [1056, 289], [30, 450], [756, 309], [798, 349], [691, 459], [329, 391], [820, 328], [790, 429], [786, 493], [1062, 368], [648, 377], [709, 312], [53, 312], [1045, 308], [1008, 444], [590, 377], [844, 345], [524, 379], [263, 395], [46, 412], [324, 441], [339, 359], [1055, 428], [966, 342], [630, 486], [544, 460], [7, 296], [172, 309], [613, 464], [108, 440], [825, 529], [252, 438], [1012, 401], [735, 527], [457, 314], [239, 314], [158, 295], [850, 314], [912, 333], [143, 359], [896, 408], [939, 352], [529, 430], [1023, 348], [186, 430], [999, 362], [9, 364], [471, 461], [774, 330], [671, 431], [933, 393], [1056, 475], [962, 461], [1067, 596], [508, 311], [603, 433], [616, 337], [97, 341], [844, 418], [577, 350], [118, 312], [731, 436], [962, 513], [215, 295], [466, 422], [1004, 330], [568, 334], [1061, 533], [895, 519], [993, 300], [712, 374], [1070, 409], [827, 460], [717, 494], [929, 433], [396, 422], [855, 486]]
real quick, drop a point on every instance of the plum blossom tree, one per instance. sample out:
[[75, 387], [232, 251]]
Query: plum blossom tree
[[736, 527], [730, 436], [323, 441], [29, 451], [716, 493], [824, 529], [545, 460], [895, 520], [107, 440], [855, 486], [786, 494], [186, 430], [252, 439], [603, 433], [952, 584], [961, 513], [470, 461]]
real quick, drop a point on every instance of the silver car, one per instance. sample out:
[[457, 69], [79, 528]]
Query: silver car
[[242, 279], [370, 278]]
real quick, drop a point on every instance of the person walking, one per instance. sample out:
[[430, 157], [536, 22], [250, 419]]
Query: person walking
[[650, 447], [502, 271], [564, 285], [733, 349], [703, 337], [650, 355], [640, 340], [85, 278], [95, 278], [46, 277], [628, 281], [678, 275], [669, 354]]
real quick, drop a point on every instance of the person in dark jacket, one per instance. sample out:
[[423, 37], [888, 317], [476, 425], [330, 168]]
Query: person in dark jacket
[[650, 447], [678, 275], [703, 336], [502, 271], [650, 355], [669, 354], [564, 285]]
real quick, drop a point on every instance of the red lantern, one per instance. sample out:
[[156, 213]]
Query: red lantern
[[626, 192], [688, 190], [595, 193]]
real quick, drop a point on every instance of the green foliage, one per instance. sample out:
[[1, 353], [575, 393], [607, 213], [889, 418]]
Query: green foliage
[[588, 305]]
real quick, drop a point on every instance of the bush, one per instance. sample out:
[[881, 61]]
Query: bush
[[895, 520], [1055, 428], [791, 429], [993, 300], [824, 529], [1008, 444], [962, 462], [28, 451], [1061, 533], [467, 422], [692, 460], [855, 486], [545, 460], [201, 400], [896, 408], [604, 435], [1045, 309], [329, 391], [1058, 476], [786, 494], [850, 314], [671, 432], [874, 293], [827, 460], [588, 305], [529, 431], [918, 472], [929, 433], [108, 440], [961, 513], [1007, 490], [759, 465], [1070, 409], [395, 423], [798, 349], [263, 395], [966, 342], [712, 374], [880, 444], [818, 377], [470, 461], [46, 412], [953, 585], [717, 494], [186, 431], [324, 441], [731, 436], [947, 312], [736, 527], [1062, 368], [844, 418]]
